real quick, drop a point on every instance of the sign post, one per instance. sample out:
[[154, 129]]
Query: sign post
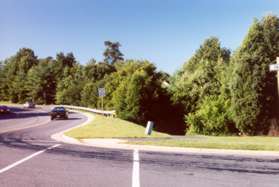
[[275, 67], [102, 94]]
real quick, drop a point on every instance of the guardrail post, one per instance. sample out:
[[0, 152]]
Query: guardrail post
[[149, 127]]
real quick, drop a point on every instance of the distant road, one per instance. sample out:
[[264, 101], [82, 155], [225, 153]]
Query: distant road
[[28, 157], [23, 118]]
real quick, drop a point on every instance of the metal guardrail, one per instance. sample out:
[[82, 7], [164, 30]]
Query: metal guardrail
[[101, 112]]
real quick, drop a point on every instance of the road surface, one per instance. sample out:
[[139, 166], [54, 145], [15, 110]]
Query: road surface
[[29, 157]]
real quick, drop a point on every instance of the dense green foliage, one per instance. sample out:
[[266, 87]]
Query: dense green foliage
[[133, 88], [198, 83], [214, 93], [253, 86], [199, 76], [225, 95], [15, 73], [70, 87], [136, 91], [41, 83], [212, 117]]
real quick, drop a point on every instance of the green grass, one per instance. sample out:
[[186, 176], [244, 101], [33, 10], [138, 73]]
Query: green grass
[[5, 103], [10, 103], [108, 127], [230, 142]]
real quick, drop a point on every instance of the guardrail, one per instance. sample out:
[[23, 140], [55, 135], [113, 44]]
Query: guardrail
[[101, 112]]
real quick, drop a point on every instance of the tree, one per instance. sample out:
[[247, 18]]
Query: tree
[[112, 53], [139, 95], [199, 76], [70, 87], [61, 62], [3, 82], [127, 98], [89, 95], [210, 50], [41, 82], [96, 71], [253, 87], [16, 69], [200, 80]]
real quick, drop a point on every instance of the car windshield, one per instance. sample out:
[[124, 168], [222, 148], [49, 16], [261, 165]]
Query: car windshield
[[59, 109]]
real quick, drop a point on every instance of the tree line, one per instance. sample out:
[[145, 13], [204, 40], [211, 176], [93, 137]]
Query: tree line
[[224, 93], [133, 88], [216, 92]]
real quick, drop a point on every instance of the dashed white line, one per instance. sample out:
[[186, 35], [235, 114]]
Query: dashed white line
[[136, 169], [26, 158]]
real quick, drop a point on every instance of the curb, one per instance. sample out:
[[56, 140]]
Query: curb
[[121, 144], [61, 137]]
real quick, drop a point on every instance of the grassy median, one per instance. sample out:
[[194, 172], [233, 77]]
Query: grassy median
[[212, 142], [108, 127]]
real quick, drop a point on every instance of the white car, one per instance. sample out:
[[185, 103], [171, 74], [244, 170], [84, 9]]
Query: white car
[[29, 104]]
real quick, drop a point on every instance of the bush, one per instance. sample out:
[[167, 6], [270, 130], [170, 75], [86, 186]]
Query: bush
[[213, 117]]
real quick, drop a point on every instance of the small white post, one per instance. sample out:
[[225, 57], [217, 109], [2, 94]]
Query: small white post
[[149, 127]]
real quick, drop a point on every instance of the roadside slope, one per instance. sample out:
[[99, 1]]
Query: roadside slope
[[108, 127], [88, 135]]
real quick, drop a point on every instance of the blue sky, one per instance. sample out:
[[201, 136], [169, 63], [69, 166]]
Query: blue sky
[[165, 32]]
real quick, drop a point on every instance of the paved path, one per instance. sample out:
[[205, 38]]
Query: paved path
[[29, 157]]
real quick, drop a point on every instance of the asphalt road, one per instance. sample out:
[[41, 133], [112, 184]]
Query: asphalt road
[[28, 157]]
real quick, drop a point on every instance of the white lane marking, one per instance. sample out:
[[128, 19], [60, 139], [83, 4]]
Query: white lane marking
[[27, 158], [136, 169]]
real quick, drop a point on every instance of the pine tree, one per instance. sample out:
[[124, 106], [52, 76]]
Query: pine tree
[[253, 87], [112, 53]]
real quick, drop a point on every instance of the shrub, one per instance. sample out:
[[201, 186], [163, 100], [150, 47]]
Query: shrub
[[213, 117]]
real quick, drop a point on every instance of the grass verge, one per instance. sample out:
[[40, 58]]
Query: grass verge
[[8, 103], [239, 143], [108, 127], [5, 103]]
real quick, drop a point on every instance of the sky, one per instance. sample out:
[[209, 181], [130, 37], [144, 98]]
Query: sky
[[165, 32]]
